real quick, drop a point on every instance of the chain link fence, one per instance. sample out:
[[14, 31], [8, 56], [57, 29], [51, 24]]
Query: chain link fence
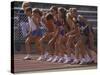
[[20, 19]]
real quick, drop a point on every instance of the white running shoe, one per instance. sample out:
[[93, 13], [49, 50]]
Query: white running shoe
[[50, 58], [54, 59], [82, 61], [60, 59], [87, 58], [40, 58], [72, 56], [66, 59], [75, 61], [28, 57]]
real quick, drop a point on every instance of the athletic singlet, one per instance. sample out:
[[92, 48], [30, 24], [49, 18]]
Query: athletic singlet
[[60, 26], [32, 24], [86, 30]]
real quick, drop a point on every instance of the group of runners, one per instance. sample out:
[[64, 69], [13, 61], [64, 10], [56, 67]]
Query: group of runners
[[68, 36]]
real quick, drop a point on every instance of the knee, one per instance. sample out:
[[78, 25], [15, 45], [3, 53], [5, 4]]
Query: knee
[[27, 41]]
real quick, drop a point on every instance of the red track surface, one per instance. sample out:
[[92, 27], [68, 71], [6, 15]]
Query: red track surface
[[21, 65]]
